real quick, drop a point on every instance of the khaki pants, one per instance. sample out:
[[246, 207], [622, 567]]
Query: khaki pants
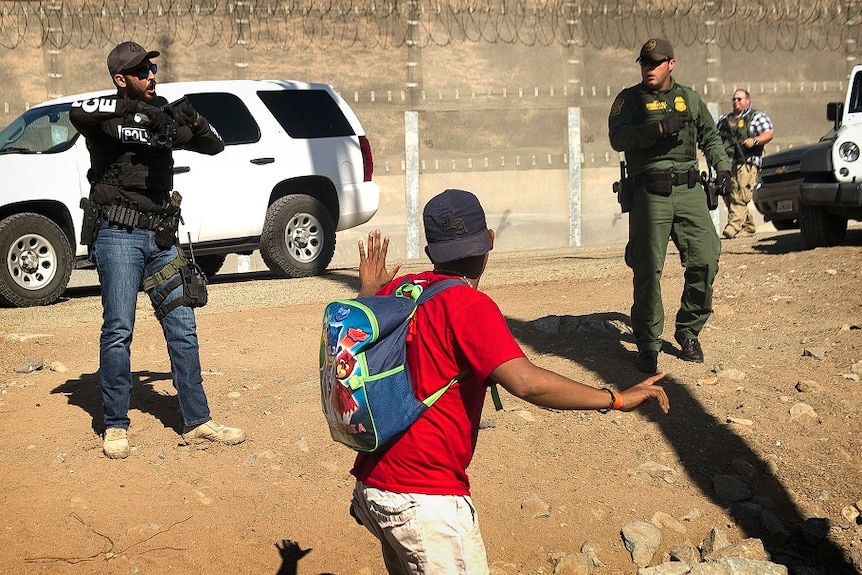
[[422, 534], [744, 180]]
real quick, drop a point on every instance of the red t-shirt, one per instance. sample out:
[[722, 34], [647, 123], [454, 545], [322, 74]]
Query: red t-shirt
[[458, 329]]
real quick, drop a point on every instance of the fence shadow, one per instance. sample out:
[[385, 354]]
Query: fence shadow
[[705, 446]]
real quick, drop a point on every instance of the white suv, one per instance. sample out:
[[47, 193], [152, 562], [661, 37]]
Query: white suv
[[296, 168]]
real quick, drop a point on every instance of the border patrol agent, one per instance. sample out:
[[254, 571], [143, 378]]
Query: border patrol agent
[[745, 132], [659, 124], [130, 224]]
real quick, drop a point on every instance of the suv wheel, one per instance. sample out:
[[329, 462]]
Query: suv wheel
[[298, 237], [211, 264], [36, 260], [785, 224], [819, 228]]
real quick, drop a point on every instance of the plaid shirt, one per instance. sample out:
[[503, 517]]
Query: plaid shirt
[[760, 123]]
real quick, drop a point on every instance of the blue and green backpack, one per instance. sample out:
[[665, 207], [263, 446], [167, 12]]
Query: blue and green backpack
[[366, 391]]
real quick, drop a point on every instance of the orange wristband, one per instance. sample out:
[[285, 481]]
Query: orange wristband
[[618, 401]]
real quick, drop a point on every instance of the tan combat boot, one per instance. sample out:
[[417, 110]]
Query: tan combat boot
[[212, 431]]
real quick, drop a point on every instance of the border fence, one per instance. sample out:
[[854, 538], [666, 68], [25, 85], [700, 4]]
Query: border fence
[[768, 26], [494, 84]]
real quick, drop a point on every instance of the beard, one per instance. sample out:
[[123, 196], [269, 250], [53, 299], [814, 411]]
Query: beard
[[134, 93]]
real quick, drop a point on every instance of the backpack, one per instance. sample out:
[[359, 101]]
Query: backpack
[[366, 390]]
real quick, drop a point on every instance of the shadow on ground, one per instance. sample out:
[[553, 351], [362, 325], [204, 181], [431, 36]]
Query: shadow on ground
[[704, 446], [85, 392]]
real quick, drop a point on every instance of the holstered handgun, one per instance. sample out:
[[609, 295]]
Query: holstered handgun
[[92, 221], [166, 232], [711, 189], [623, 190]]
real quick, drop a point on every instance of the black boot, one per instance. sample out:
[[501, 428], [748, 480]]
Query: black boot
[[690, 350], [647, 361]]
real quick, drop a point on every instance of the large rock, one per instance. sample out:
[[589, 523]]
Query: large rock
[[642, 540]]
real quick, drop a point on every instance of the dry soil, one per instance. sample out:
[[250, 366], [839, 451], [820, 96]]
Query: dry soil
[[784, 410]]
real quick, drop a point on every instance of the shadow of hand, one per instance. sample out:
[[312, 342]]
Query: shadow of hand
[[291, 553]]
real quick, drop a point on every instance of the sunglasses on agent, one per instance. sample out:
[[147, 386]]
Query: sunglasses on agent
[[143, 72]]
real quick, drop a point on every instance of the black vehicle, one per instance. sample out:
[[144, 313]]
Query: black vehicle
[[777, 195]]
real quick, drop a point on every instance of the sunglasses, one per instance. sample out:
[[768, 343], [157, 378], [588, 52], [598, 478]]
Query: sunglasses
[[738, 99], [652, 64], [143, 72]]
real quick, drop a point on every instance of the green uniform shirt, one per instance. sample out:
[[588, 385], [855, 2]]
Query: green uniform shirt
[[633, 126]]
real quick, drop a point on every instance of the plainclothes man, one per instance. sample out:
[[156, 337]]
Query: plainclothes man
[[414, 496], [660, 124], [131, 227], [745, 132]]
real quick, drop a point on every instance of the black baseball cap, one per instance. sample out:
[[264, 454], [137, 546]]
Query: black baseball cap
[[455, 226], [127, 56], [656, 50]]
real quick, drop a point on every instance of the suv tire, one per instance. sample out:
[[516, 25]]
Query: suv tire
[[785, 224], [298, 237], [35, 260], [210, 264], [819, 228]]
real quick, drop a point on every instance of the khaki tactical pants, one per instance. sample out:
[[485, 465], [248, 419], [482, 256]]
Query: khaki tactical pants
[[744, 180], [684, 218]]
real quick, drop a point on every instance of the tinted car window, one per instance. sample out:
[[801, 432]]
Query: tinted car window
[[307, 113], [856, 94], [228, 114], [44, 130]]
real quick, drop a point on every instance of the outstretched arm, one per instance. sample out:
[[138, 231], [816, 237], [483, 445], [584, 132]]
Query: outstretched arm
[[372, 265], [545, 388]]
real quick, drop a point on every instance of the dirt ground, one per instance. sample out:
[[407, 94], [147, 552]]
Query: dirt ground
[[785, 335]]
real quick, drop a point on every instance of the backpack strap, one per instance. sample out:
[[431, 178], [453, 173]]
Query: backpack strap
[[428, 293], [495, 397], [435, 288]]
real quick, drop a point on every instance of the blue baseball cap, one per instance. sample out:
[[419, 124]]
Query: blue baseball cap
[[455, 226]]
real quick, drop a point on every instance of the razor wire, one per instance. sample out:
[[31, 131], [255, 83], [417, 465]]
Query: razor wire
[[269, 25]]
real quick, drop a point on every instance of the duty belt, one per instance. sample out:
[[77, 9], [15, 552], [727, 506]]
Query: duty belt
[[689, 178], [123, 215]]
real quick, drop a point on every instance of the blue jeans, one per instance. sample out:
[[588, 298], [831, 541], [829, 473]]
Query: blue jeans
[[124, 258]]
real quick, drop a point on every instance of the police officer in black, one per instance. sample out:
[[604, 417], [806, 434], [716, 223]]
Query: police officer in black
[[130, 224], [659, 124]]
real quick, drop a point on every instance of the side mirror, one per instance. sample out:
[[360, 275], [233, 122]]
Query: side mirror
[[834, 112]]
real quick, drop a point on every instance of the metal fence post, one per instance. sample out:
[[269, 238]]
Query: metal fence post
[[714, 214], [574, 176], [411, 180]]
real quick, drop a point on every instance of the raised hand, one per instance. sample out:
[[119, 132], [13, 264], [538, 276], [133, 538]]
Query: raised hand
[[373, 274]]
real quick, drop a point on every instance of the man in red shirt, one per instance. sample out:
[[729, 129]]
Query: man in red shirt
[[414, 496]]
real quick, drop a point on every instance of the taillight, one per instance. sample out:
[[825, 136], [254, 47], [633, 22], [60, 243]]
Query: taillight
[[367, 160]]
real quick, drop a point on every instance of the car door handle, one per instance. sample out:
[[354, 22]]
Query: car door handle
[[262, 161], [182, 169]]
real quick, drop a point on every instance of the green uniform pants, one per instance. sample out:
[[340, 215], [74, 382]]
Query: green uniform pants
[[684, 218]]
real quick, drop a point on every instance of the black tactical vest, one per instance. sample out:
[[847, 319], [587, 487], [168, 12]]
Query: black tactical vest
[[740, 130], [129, 165]]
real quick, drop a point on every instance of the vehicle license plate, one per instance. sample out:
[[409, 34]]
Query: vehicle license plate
[[784, 206]]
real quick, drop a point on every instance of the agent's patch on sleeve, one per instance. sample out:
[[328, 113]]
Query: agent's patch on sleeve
[[617, 106]]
